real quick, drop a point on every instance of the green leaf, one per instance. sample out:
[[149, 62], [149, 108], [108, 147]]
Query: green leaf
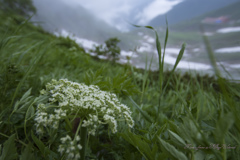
[[172, 151], [93, 78], [179, 56], [159, 131], [176, 138], [199, 155], [26, 95], [9, 149], [43, 149], [144, 114], [41, 99], [139, 143], [30, 112], [27, 154], [16, 105], [166, 37], [150, 27], [223, 125], [25, 99], [24, 107], [165, 43]]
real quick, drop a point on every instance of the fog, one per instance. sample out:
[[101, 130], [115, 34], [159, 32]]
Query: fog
[[118, 12]]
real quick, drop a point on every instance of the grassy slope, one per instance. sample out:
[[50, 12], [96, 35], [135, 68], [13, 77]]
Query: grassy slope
[[193, 108]]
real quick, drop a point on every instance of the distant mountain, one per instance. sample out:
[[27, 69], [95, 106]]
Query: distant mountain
[[55, 15], [189, 9], [231, 12]]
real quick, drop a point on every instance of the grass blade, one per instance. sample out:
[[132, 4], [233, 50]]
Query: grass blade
[[38, 57], [144, 114], [179, 57], [172, 150]]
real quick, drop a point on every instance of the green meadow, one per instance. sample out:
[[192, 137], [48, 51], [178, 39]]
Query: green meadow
[[176, 116]]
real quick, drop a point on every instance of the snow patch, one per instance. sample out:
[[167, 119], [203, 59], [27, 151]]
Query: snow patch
[[228, 50], [88, 44], [146, 47], [129, 54], [85, 42], [237, 66], [196, 49], [229, 29]]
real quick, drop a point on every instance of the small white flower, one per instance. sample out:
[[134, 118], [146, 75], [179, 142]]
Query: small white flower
[[79, 146], [61, 149], [70, 147], [77, 156], [43, 91], [77, 138], [70, 155], [63, 139]]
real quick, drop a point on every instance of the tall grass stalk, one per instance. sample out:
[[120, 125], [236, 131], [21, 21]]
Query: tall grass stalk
[[145, 76], [161, 56]]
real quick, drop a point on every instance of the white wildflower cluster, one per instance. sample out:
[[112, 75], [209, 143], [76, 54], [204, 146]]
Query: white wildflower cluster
[[70, 147], [45, 119], [91, 104]]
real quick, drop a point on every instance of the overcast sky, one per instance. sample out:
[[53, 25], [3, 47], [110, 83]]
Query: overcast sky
[[118, 12]]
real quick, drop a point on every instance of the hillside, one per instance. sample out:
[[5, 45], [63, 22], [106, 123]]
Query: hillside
[[231, 11], [55, 15], [189, 9], [217, 39]]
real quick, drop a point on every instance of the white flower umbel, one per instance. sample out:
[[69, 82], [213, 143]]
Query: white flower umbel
[[92, 105], [70, 147]]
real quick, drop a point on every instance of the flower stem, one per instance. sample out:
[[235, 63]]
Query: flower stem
[[78, 129], [83, 141]]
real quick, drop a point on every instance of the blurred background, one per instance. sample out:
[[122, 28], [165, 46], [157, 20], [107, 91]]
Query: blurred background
[[92, 22]]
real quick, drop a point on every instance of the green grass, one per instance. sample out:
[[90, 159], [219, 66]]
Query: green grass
[[176, 116]]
